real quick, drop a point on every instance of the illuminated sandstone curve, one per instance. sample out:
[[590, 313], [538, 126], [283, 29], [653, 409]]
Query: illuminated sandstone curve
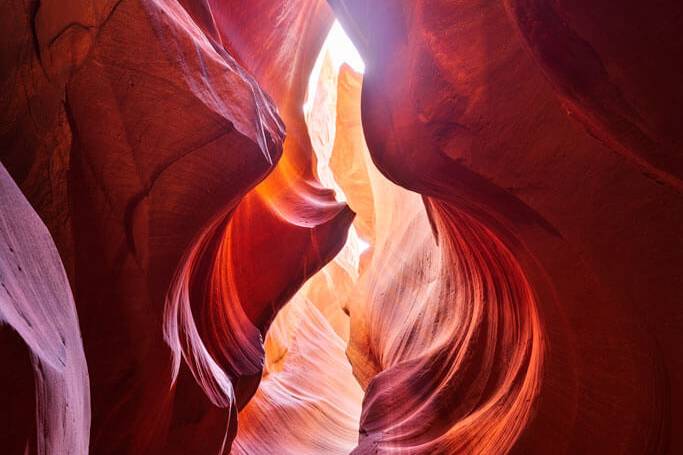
[[483, 130], [37, 306], [310, 402], [289, 226], [445, 336], [291, 203]]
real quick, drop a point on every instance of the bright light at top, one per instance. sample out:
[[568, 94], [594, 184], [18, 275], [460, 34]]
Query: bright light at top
[[342, 49], [338, 49]]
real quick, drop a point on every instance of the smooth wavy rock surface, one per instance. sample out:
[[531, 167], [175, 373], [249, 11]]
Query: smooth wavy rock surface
[[311, 403], [444, 332], [149, 159], [217, 236], [36, 305], [589, 218]]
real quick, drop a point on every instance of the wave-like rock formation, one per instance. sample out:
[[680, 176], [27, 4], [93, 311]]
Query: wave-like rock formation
[[309, 401], [40, 328], [444, 333], [144, 135], [532, 127], [218, 236]]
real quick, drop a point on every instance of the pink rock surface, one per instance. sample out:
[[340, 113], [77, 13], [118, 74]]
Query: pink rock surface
[[36, 305]]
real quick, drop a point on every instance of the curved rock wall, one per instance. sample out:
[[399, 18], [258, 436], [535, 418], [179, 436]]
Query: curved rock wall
[[536, 121], [513, 167]]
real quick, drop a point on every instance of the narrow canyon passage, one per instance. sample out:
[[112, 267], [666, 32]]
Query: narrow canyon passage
[[341, 226], [309, 401], [439, 300]]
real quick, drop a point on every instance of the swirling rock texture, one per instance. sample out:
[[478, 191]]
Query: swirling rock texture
[[527, 126], [473, 247]]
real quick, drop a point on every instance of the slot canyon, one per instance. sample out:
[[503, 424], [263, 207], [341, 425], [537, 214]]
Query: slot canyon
[[311, 227]]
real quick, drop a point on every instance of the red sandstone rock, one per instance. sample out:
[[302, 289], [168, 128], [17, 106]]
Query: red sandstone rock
[[481, 126], [149, 135], [172, 136], [293, 210], [523, 295]]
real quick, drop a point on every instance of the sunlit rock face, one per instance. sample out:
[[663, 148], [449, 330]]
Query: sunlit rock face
[[439, 371], [254, 242], [538, 139]]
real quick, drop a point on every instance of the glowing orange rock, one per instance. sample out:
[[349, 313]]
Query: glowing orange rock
[[289, 226], [428, 319]]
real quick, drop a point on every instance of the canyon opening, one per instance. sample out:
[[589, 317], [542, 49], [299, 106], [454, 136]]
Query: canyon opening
[[341, 226]]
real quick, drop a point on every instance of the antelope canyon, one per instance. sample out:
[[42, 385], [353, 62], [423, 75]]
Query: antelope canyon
[[311, 227]]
